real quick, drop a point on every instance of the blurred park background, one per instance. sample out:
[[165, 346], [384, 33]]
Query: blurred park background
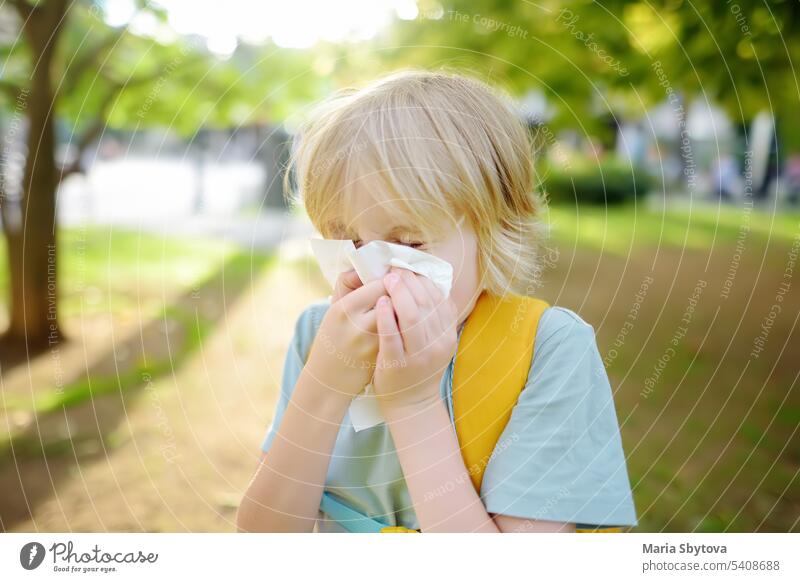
[[151, 273]]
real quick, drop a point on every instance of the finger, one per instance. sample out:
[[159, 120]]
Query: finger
[[364, 298], [389, 339], [367, 322], [431, 322], [433, 291], [346, 282], [408, 314], [441, 307], [414, 283]]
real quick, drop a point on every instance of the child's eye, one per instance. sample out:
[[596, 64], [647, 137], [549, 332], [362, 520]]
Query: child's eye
[[412, 244], [408, 243]]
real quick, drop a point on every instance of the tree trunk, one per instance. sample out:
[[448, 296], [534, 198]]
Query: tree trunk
[[32, 246]]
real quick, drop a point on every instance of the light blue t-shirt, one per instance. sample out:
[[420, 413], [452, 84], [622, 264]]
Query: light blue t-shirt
[[560, 457]]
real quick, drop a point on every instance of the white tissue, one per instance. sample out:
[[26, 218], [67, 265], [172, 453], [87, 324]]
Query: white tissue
[[371, 262]]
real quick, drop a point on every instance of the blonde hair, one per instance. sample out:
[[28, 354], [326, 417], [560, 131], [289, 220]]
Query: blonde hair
[[439, 145]]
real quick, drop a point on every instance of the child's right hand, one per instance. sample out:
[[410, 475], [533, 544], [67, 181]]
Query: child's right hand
[[345, 283], [342, 357]]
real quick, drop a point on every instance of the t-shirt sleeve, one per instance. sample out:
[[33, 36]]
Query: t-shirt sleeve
[[560, 457], [304, 331]]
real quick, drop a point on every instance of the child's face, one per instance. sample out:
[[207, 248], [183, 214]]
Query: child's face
[[457, 244]]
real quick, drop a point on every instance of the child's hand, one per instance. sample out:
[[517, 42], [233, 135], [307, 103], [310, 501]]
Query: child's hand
[[416, 348], [345, 283], [343, 354]]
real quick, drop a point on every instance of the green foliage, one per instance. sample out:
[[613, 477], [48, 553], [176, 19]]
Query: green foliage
[[607, 182], [591, 58], [107, 77], [114, 77], [588, 58]]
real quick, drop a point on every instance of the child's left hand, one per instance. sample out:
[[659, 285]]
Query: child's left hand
[[415, 349]]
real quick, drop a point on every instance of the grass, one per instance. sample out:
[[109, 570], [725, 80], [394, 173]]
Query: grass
[[154, 281], [111, 270], [103, 268], [714, 446], [621, 229]]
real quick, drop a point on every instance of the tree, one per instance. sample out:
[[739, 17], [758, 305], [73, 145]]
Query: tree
[[30, 234], [599, 57], [69, 65]]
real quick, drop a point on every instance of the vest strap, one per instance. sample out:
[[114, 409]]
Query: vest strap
[[492, 363]]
